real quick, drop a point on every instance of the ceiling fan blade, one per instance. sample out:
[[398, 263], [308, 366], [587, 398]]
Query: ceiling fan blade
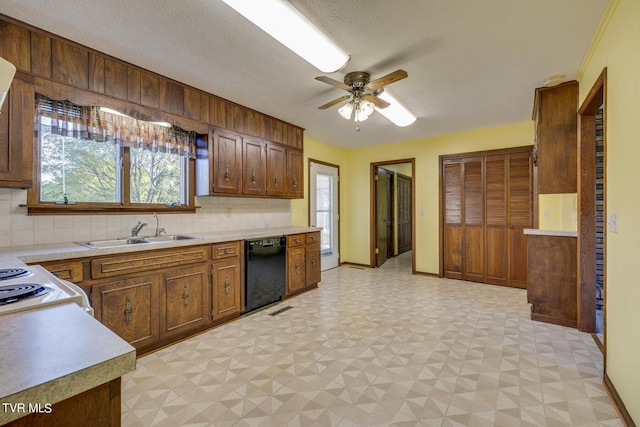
[[380, 103], [388, 79], [332, 82], [334, 102]]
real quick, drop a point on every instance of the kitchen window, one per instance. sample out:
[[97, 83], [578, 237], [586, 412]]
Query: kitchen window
[[96, 159]]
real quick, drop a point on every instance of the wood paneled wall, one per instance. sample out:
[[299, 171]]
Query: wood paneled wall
[[45, 55]]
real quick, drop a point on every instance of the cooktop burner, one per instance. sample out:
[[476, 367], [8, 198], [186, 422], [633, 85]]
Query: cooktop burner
[[12, 273], [14, 293]]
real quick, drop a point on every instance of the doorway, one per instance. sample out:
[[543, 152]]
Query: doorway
[[592, 206], [392, 211], [324, 210]]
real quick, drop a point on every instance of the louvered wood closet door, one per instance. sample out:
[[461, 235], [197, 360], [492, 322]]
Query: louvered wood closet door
[[487, 202]]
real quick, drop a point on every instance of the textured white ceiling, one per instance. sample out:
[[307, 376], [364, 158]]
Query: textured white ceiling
[[471, 63]]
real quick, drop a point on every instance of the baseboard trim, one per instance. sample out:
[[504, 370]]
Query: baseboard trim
[[626, 417], [355, 264], [424, 273]]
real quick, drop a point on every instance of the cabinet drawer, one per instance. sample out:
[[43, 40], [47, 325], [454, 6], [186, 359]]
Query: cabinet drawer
[[70, 271], [226, 250], [147, 261], [313, 237], [295, 240]]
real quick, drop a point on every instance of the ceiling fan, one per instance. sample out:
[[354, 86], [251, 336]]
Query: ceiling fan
[[362, 92]]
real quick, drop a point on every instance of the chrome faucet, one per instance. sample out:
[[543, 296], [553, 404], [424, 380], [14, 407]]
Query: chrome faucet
[[159, 230], [135, 230]]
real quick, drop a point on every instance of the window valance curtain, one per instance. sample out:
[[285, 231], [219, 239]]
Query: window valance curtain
[[65, 118]]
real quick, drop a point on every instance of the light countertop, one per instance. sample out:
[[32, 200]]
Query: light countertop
[[55, 352], [559, 233], [33, 254]]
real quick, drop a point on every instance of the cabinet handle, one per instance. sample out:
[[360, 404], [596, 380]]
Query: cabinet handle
[[185, 296], [227, 174], [276, 181], [297, 266], [227, 285], [295, 182], [254, 178], [128, 311], [228, 251], [313, 261]]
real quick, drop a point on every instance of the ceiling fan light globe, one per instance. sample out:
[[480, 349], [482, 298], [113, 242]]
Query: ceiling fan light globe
[[346, 110], [367, 108]]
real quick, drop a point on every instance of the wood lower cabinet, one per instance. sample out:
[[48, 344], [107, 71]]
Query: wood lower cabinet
[[186, 300], [226, 288], [227, 280], [303, 262], [552, 283], [130, 308]]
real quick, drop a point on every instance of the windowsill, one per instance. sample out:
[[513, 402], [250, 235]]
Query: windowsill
[[104, 210]]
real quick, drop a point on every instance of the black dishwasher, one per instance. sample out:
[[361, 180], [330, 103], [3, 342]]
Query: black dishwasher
[[265, 271]]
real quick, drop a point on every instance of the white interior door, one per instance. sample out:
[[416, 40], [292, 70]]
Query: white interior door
[[323, 211]]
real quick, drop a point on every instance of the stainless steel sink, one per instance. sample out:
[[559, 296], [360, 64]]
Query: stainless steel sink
[[168, 238], [113, 243], [96, 244]]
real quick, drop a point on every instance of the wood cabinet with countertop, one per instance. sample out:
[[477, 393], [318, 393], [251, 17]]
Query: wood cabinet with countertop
[[303, 262], [552, 276]]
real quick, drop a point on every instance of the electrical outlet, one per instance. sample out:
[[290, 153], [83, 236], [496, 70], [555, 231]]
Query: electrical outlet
[[613, 222]]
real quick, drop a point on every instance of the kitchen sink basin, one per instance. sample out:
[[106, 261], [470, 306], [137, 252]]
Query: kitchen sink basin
[[114, 242], [96, 244], [168, 238]]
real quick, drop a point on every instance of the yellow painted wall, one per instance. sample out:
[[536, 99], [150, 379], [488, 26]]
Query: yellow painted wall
[[355, 230], [618, 49], [558, 212]]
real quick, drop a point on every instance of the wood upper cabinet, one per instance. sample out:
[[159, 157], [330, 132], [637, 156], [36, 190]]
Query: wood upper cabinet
[[186, 299], [276, 170], [16, 136], [130, 308], [253, 167], [486, 205], [295, 185], [227, 162], [556, 138]]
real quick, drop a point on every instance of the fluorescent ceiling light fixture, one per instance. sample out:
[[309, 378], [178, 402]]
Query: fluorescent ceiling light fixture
[[285, 23], [395, 112]]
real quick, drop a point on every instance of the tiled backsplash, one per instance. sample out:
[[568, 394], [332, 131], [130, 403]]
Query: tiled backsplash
[[218, 214]]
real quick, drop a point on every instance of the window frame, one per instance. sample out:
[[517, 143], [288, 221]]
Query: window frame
[[36, 207]]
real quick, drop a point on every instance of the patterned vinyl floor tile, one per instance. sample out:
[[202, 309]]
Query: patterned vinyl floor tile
[[377, 347]]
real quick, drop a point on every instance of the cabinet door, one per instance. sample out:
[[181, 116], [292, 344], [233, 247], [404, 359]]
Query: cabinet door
[[312, 268], [186, 299], [130, 308], [496, 216], [16, 136], [227, 162], [226, 288], [295, 187], [452, 221], [296, 276], [520, 216], [253, 167], [473, 220], [276, 167]]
